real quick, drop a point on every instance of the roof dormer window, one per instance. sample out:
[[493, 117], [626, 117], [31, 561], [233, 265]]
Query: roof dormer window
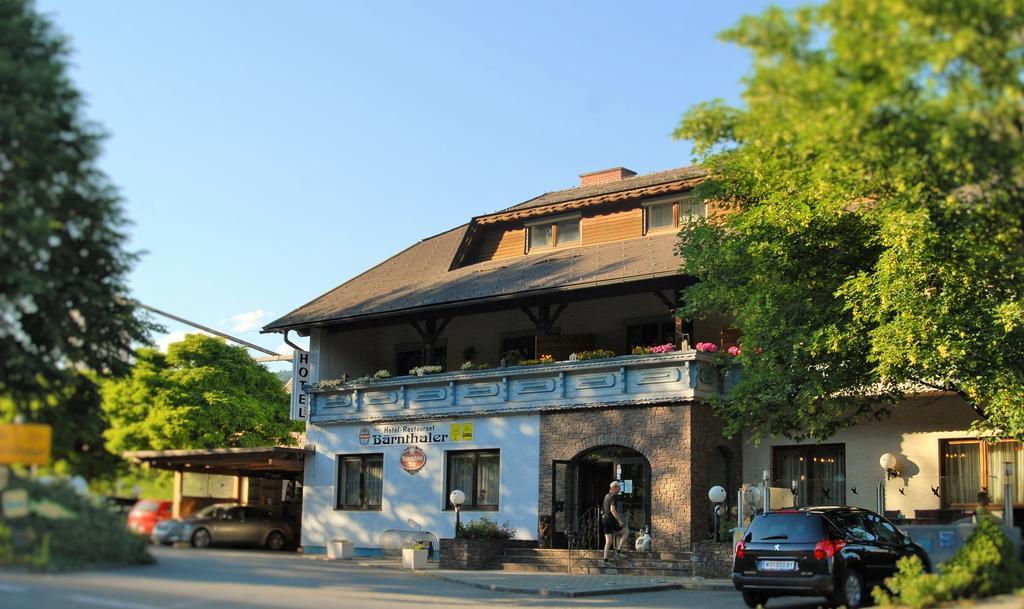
[[547, 233], [665, 214]]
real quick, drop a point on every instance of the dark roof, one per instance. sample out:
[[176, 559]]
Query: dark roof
[[419, 277], [423, 275], [583, 192]]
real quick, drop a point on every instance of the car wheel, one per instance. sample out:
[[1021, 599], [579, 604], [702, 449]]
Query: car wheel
[[275, 541], [850, 592], [201, 539], [754, 600]]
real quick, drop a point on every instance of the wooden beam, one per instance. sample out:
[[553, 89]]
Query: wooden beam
[[533, 318], [665, 299], [419, 330], [558, 312]]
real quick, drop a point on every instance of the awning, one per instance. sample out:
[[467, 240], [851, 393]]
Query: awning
[[278, 462]]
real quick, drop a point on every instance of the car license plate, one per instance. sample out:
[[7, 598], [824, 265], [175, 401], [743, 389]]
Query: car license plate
[[776, 565]]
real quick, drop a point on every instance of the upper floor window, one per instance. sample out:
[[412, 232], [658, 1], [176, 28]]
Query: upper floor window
[[553, 232], [671, 214]]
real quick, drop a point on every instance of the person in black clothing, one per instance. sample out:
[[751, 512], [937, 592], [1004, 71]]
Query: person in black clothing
[[613, 521]]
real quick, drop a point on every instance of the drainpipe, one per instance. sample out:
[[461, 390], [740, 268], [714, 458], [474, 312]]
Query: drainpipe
[[1008, 496], [290, 343]]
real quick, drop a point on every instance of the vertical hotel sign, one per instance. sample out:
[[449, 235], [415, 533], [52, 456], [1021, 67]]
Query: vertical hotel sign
[[301, 370]]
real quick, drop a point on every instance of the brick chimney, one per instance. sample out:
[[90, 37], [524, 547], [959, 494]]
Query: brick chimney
[[605, 175]]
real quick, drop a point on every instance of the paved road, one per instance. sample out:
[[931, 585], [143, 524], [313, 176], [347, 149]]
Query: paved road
[[232, 579]]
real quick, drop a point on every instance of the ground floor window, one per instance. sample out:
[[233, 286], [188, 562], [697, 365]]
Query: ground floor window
[[973, 469], [477, 473], [818, 470], [360, 482]]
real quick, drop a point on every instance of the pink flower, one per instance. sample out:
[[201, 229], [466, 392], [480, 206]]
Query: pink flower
[[666, 348], [733, 351], [707, 347]]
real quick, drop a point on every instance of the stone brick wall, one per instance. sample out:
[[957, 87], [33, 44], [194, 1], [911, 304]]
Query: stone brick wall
[[712, 559], [709, 446], [660, 433], [680, 442], [477, 554]]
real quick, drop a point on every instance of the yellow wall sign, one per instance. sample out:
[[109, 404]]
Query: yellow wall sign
[[25, 444], [462, 432]]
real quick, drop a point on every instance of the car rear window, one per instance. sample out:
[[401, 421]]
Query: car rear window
[[794, 526], [147, 506]]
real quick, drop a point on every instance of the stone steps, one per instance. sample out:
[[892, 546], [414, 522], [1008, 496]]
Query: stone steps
[[661, 564], [631, 555]]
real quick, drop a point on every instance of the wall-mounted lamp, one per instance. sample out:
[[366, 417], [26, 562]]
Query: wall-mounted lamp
[[889, 463]]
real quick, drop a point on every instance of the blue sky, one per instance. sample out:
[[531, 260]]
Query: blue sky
[[268, 151]]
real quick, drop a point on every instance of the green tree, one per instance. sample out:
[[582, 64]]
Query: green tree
[[73, 411], [870, 239], [62, 259], [203, 393]]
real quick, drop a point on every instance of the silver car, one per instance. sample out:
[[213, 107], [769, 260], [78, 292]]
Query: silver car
[[228, 524]]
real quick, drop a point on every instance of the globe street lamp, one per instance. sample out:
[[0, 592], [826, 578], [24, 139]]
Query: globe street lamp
[[457, 498], [717, 496]]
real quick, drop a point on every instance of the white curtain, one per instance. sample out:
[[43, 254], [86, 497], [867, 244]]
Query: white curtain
[[962, 463], [351, 468], [998, 455], [488, 480], [373, 481]]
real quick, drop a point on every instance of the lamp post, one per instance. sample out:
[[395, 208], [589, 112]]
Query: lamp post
[[767, 491], [457, 498], [717, 496]]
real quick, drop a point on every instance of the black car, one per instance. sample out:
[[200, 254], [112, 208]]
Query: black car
[[838, 552]]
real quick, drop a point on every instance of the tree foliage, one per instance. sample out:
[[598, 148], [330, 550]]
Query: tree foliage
[[62, 259], [203, 393], [73, 411], [871, 238]]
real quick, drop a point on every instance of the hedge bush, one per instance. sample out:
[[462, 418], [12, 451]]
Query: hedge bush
[[96, 537], [986, 565], [485, 528]]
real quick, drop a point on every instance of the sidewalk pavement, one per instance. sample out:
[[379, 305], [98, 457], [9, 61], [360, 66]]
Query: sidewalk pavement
[[557, 584]]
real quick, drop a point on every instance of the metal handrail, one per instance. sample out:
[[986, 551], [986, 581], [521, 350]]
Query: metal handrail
[[585, 533]]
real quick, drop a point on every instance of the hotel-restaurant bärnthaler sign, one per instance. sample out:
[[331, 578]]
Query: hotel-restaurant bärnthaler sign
[[433, 433], [25, 444]]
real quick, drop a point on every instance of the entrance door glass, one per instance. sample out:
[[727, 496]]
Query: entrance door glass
[[579, 486]]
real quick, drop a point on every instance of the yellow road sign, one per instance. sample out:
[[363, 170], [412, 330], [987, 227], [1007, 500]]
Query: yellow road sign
[[25, 444]]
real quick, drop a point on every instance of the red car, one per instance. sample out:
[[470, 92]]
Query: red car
[[146, 513]]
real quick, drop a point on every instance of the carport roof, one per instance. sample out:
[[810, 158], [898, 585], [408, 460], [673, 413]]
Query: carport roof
[[257, 462]]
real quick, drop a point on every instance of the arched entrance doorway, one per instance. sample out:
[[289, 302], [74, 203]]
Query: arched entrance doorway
[[579, 485]]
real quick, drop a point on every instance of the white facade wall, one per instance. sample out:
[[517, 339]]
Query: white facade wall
[[363, 352], [420, 496], [913, 433]]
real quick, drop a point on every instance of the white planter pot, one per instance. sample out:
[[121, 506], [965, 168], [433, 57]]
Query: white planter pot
[[414, 559], [339, 549]]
